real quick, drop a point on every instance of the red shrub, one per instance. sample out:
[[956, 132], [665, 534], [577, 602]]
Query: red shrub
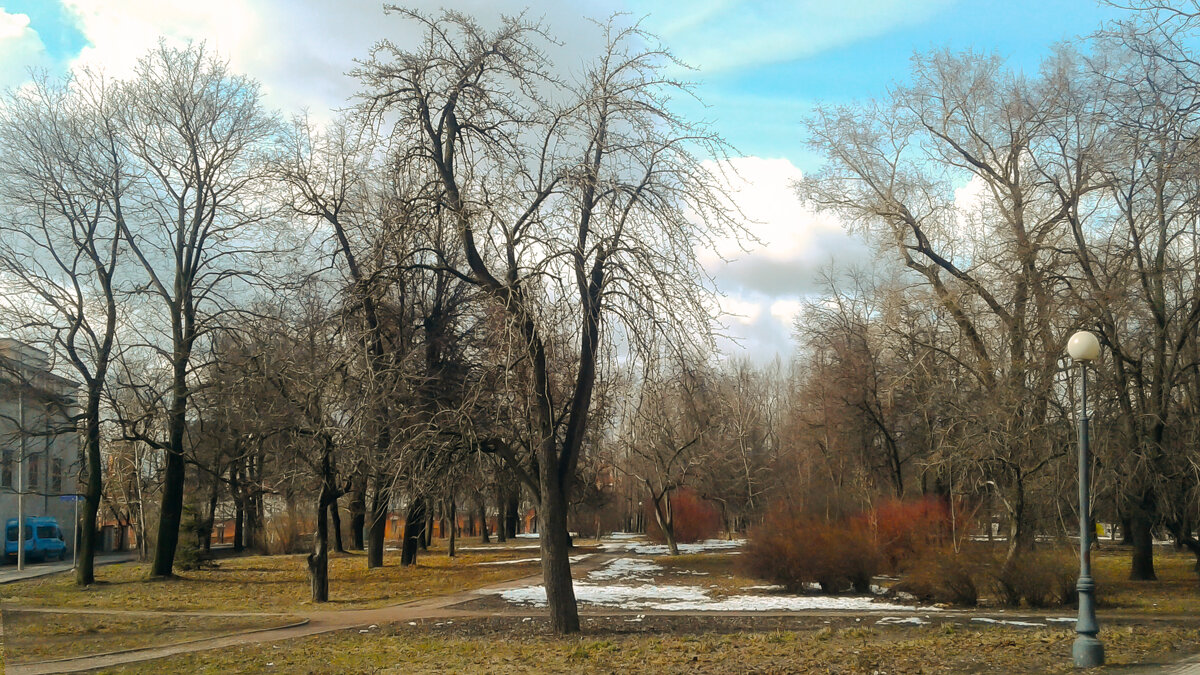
[[904, 531], [794, 550], [696, 519]]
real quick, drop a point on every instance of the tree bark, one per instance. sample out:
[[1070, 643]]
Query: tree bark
[[1141, 533], [414, 529], [358, 518], [666, 521], [86, 525], [483, 524], [556, 562], [378, 525], [453, 528], [511, 514], [318, 560], [336, 517]]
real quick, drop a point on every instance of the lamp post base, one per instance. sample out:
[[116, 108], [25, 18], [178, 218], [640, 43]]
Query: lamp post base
[[1088, 652]]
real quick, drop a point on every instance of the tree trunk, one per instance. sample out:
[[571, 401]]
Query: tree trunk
[[358, 518], [556, 562], [239, 508], [1141, 533], [85, 527], [501, 530], [171, 511], [318, 560], [427, 535], [666, 521], [483, 524], [414, 528], [210, 515], [336, 517], [378, 525], [453, 528], [511, 514]]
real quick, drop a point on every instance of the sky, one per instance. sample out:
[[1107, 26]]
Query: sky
[[759, 68]]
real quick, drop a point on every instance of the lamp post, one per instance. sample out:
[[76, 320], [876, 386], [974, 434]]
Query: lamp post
[[1088, 651]]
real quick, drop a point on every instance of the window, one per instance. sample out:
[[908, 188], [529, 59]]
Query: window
[[6, 469], [35, 468], [56, 475], [47, 532]]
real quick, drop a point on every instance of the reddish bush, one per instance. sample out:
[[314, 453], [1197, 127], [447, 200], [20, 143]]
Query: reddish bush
[[795, 551], [696, 519], [904, 531]]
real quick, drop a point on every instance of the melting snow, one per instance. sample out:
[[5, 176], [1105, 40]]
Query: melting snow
[[661, 549], [680, 598], [1007, 622], [896, 620], [626, 568]]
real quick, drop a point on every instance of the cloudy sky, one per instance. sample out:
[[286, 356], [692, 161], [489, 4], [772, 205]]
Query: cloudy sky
[[761, 65]]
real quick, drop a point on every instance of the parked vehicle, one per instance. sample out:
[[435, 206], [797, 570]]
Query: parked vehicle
[[43, 539]]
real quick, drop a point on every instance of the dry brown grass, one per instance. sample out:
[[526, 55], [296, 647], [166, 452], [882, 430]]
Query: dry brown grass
[[271, 583], [38, 636], [844, 650], [1177, 590]]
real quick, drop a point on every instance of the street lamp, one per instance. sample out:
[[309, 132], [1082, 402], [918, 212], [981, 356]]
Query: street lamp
[[1087, 651]]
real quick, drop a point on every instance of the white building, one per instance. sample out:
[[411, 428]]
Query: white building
[[40, 449]]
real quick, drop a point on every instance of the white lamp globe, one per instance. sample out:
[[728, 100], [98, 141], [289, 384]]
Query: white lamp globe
[[1083, 346]]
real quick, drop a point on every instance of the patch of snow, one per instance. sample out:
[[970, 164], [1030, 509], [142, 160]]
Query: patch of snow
[[626, 568], [878, 590], [767, 603], [681, 598], [769, 587], [661, 549], [1008, 622], [896, 620], [1062, 619], [624, 535], [574, 559], [643, 596]]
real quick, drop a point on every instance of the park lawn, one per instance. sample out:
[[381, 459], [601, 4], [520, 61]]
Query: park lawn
[[40, 636], [853, 649], [720, 573], [271, 583], [1177, 590]]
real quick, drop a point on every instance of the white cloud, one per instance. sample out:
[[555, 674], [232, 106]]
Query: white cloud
[[731, 34], [765, 285], [21, 48]]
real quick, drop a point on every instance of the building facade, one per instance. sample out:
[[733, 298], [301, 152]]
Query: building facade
[[40, 448]]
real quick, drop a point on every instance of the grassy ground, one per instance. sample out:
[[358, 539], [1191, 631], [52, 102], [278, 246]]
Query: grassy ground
[[38, 636], [272, 583], [677, 644], [1177, 590]]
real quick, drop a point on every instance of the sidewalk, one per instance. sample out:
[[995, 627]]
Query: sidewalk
[[10, 573]]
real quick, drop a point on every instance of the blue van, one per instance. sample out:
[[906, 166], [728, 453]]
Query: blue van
[[43, 539]]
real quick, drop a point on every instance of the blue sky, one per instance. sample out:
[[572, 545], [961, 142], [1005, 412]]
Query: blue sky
[[761, 67]]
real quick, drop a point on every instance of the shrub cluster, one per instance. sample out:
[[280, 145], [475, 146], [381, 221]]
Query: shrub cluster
[[797, 551], [913, 539]]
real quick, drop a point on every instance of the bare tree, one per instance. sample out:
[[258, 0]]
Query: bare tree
[[569, 216], [64, 178], [197, 134]]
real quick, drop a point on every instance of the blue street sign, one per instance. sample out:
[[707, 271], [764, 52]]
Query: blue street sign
[[71, 498]]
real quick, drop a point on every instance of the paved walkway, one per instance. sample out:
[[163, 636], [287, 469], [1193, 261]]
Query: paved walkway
[[442, 607], [10, 573]]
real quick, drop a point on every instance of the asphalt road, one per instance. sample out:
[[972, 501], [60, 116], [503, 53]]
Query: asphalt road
[[10, 573]]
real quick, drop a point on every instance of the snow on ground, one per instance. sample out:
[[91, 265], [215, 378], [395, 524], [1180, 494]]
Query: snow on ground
[[1062, 619], [901, 621], [626, 546], [625, 535], [574, 559], [1008, 622], [630, 569], [668, 597]]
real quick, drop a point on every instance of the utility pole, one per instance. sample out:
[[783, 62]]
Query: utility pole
[[21, 478]]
